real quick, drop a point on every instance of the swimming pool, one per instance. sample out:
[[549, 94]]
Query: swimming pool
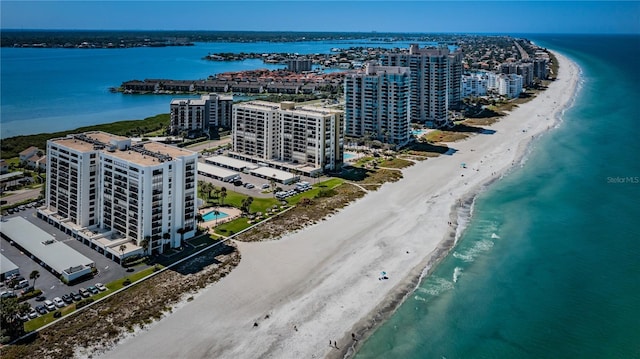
[[210, 216], [347, 156]]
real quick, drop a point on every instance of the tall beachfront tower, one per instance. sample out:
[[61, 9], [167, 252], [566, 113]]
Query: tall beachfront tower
[[377, 103], [436, 76], [311, 136], [127, 193]]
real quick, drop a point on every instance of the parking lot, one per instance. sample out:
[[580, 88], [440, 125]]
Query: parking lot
[[51, 285]]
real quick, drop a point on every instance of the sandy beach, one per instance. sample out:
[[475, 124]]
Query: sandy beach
[[290, 298]]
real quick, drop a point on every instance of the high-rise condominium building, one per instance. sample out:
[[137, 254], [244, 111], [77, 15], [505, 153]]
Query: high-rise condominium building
[[212, 110], [141, 195], [311, 136], [436, 75], [299, 65], [377, 103]]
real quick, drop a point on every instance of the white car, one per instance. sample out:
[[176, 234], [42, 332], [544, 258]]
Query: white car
[[101, 287], [58, 302], [49, 305]]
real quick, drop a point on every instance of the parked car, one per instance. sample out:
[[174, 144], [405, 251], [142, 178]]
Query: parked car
[[58, 302], [265, 186], [40, 298], [41, 309], [248, 185], [27, 290], [24, 317], [22, 284], [77, 297], [67, 298], [83, 292], [33, 314], [49, 305], [8, 294], [93, 290], [101, 287]]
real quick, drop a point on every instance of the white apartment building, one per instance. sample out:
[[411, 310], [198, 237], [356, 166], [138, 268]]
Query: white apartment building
[[377, 103], [475, 84], [108, 192], [307, 136], [211, 110], [509, 85], [436, 75]]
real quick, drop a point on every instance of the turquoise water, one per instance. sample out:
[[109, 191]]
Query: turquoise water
[[549, 264], [348, 156], [211, 216], [47, 90]]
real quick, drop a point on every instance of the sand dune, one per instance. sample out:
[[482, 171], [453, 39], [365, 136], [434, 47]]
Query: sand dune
[[322, 283]]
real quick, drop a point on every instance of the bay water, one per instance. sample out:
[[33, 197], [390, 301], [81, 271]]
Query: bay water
[[55, 89], [549, 265]]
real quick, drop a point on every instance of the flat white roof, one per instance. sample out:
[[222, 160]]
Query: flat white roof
[[231, 162], [216, 171], [6, 265], [276, 174], [44, 246]]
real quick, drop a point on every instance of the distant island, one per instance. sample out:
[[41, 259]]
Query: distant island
[[128, 39]]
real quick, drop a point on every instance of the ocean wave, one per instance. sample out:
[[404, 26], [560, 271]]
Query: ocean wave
[[457, 272], [495, 236], [470, 254], [435, 286]]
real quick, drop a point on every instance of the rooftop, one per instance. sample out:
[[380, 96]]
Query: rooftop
[[44, 246]]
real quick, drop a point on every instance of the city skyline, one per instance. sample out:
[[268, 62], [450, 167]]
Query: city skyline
[[361, 16]]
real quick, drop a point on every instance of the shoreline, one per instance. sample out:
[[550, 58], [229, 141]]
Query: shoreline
[[367, 326], [320, 283]]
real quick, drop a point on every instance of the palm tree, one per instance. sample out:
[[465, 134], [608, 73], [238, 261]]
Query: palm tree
[[145, 243], [34, 275], [223, 194], [122, 248], [216, 213], [246, 205], [216, 194]]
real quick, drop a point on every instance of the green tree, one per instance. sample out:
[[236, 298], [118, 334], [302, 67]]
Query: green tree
[[245, 205], [145, 244], [223, 194], [122, 248], [11, 326], [34, 275]]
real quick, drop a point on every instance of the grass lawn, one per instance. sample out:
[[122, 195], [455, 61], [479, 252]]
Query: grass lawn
[[36, 323], [258, 205], [231, 227]]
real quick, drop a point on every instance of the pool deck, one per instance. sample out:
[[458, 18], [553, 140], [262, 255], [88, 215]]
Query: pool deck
[[232, 213]]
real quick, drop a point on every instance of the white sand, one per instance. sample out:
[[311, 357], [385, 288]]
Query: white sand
[[324, 279]]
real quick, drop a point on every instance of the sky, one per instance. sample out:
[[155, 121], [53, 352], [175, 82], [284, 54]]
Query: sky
[[603, 17]]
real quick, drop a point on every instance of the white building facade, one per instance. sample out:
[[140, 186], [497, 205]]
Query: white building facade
[[436, 75], [141, 196], [211, 110], [377, 103], [509, 85], [311, 136]]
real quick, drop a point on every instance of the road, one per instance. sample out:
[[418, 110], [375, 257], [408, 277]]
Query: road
[[210, 144], [21, 195]]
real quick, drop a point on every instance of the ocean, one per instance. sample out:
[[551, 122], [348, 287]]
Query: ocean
[[549, 265], [53, 89]]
